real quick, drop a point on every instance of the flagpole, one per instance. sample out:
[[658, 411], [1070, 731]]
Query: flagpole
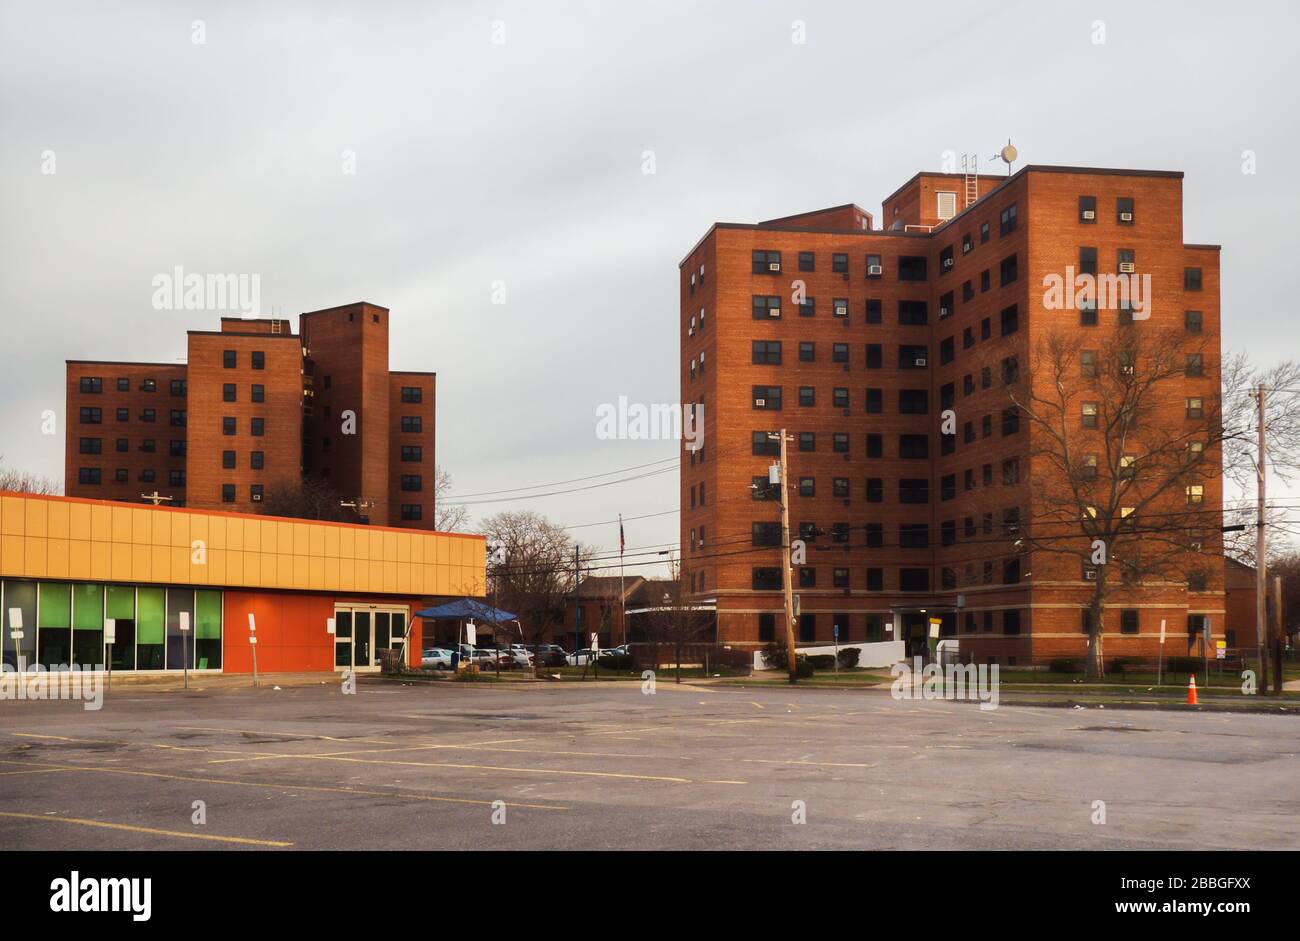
[[622, 597]]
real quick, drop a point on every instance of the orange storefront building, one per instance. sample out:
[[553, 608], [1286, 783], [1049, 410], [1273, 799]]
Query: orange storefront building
[[68, 566]]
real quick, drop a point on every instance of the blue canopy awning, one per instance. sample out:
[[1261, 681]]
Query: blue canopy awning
[[466, 609]]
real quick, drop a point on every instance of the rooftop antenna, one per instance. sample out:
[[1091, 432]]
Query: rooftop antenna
[[1007, 155]]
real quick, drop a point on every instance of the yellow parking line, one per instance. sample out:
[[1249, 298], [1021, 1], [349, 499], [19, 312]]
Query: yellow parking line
[[248, 841], [281, 786]]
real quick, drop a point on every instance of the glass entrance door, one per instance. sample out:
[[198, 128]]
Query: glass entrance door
[[360, 632]]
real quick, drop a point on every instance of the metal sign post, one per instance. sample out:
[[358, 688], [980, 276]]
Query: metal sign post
[[1205, 648], [835, 637], [594, 656], [185, 646], [110, 638], [16, 633], [1160, 661], [252, 642]]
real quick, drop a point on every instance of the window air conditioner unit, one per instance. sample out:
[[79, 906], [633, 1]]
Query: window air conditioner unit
[[774, 312], [920, 362], [1090, 575], [1127, 267], [690, 332], [774, 266], [841, 311], [1089, 214], [943, 312], [760, 403], [947, 262], [257, 498], [1126, 217], [875, 269]]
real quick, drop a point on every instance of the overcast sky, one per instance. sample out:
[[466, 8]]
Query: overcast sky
[[521, 161]]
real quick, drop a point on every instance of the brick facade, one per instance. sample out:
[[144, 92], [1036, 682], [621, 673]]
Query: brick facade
[[897, 348]]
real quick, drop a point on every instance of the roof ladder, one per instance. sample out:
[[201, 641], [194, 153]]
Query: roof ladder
[[970, 166]]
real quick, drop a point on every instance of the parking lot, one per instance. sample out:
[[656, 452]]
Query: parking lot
[[585, 766]]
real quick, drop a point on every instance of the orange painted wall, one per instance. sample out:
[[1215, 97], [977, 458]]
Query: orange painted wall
[[291, 632]]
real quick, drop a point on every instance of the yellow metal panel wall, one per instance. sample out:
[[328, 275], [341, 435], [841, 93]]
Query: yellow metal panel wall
[[61, 537]]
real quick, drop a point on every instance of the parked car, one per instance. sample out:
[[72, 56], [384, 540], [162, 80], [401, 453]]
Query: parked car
[[516, 656], [583, 657], [436, 658], [549, 655]]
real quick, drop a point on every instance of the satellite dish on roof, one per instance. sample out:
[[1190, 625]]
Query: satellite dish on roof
[[1008, 155]]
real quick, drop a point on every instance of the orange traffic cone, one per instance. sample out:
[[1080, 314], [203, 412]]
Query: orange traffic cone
[[1191, 690]]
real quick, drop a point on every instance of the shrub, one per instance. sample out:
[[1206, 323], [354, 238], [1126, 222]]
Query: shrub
[[848, 657], [774, 656], [1066, 665], [821, 661], [622, 661], [1184, 665], [802, 668]]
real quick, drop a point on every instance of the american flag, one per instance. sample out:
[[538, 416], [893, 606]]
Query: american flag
[[621, 542]]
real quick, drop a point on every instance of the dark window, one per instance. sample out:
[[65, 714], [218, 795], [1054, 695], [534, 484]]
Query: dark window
[[984, 232], [123, 385], [1195, 365], [840, 442], [259, 393], [840, 397], [412, 395], [807, 396], [149, 385], [839, 353], [1124, 210], [807, 486], [1010, 320], [913, 313], [766, 352], [765, 579], [875, 579], [912, 268], [912, 357], [1087, 260], [839, 263], [1010, 421], [875, 401], [257, 460], [89, 475], [1192, 321], [412, 453], [228, 460], [947, 351], [875, 309], [914, 535], [914, 490], [1191, 279], [875, 445], [913, 401], [914, 446], [765, 307], [259, 427], [178, 387], [1128, 621], [874, 266], [807, 352], [767, 398], [913, 579], [807, 261], [227, 493], [765, 262], [228, 426], [92, 445], [1007, 220], [762, 443], [767, 627], [875, 536], [411, 512], [92, 384], [228, 361], [259, 359], [807, 441], [875, 489], [1008, 270], [412, 424], [874, 356], [228, 392], [177, 417], [1088, 209], [808, 307], [412, 483]]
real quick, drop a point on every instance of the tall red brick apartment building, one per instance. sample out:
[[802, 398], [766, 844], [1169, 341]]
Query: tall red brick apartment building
[[897, 324], [255, 407]]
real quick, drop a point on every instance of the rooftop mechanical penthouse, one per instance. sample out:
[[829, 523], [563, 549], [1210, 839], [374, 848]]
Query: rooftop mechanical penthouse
[[255, 408], [857, 340]]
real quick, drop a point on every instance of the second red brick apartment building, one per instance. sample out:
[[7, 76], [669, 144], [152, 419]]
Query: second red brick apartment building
[[936, 310], [253, 408]]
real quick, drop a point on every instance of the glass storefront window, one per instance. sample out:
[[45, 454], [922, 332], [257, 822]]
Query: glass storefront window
[[150, 629], [20, 595], [119, 604], [54, 614], [207, 630], [180, 646], [88, 624]]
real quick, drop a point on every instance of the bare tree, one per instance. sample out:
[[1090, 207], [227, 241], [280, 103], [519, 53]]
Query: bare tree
[[1126, 464], [447, 518], [533, 574], [1240, 379], [673, 617], [305, 498], [17, 481]]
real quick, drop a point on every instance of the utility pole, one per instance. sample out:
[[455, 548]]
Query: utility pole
[[1261, 547], [1277, 634], [787, 588]]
